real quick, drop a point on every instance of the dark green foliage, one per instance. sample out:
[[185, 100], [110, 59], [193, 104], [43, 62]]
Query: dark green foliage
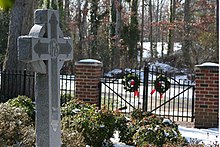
[[65, 98], [25, 104], [4, 28], [128, 85], [130, 34], [97, 126], [94, 27], [139, 128], [95, 20], [126, 130], [159, 86], [84, 124], [74, 106], [148, 129]]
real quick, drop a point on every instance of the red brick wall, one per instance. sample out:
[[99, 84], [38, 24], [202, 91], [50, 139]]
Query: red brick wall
[[207, 97], [87, 82]]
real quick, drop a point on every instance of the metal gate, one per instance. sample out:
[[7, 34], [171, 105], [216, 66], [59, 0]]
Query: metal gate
[[177, 103]]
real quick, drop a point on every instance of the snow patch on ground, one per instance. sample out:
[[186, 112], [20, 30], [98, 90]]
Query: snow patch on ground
[[158, 45], [206, 136]]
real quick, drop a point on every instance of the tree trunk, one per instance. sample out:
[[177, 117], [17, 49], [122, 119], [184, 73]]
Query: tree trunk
[[217, 27], [4, 28], [79, 22], [61, 12], [171, 30], [142, 34], [94, 28], [82, 22], [151, 29], [157, 37], [21, 21], [112, 41], [66, 18], [162, 29], [116, 61], [186, 40], [133, 34], [84, 29]]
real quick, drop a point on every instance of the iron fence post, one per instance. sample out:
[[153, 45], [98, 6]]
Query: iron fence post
[[24, 84], [145, 87], [100, 94], [193, 105]]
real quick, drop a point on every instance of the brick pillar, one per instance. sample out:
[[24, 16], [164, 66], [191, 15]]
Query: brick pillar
[[88, 74], [207, 95]]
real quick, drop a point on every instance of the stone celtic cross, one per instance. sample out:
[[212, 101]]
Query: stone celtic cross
[[46, 49]]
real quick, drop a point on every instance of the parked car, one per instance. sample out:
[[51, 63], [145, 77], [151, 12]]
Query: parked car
[[115, 73], [120, 73]]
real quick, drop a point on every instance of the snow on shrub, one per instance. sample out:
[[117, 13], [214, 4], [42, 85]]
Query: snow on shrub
[[145, 129]]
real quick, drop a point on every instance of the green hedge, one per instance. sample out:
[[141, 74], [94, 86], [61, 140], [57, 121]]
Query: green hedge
[[85, 124]]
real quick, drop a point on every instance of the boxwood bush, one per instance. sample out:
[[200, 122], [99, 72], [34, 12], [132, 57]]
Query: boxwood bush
[[24, 103], [97, 126], [83, 124], [137, 128], [72, 138], [145, 129], [16, 127]]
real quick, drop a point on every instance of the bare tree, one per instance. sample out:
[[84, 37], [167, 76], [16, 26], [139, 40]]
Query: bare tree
[[81, 23], [151, 29], [171, 31], [117, 56], [142, 33], [186, 40], [21, 21], [217, 27], [112, 38]]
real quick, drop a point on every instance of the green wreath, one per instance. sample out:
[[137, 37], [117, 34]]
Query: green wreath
[[131, 82], [161, 84]]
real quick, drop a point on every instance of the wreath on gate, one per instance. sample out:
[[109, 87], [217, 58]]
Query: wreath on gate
[[161, 85], [131, 83]]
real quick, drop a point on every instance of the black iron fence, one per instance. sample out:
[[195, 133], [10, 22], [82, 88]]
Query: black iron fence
[[176, 103], [113, 94], [14, 83], [67, 87]]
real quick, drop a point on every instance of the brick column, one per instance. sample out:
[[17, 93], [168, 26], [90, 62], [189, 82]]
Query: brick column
[[88, 74], [207, 95]]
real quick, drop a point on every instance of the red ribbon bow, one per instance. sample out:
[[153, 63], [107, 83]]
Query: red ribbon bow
[[152, 92], [136, 93], [132, 82]]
